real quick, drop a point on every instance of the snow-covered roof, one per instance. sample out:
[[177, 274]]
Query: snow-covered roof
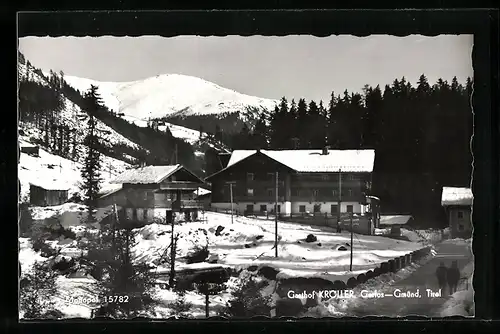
[[49, 184], [456, 196], [147, 174], [394, 220], [314, 161], [109, 189]]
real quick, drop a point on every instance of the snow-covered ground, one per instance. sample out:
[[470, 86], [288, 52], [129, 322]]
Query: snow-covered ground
[[250, 241], [246, 242], [166, 94], [461, 302]]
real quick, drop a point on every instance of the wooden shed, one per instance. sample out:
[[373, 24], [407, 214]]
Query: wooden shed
[[48, 193], [32, 150]]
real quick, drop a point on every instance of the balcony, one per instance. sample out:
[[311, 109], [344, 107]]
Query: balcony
[[180, 185], [176, 205]]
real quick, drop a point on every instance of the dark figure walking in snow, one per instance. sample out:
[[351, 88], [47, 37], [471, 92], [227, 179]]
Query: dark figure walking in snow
[[453, 276], [441, 272]]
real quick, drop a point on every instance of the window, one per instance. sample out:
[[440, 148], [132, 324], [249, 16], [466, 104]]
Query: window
[[317, 207], [250, 192], [279, 208], [460, 214], [349, 192], [130, 213], [134, 214], [145, 214], [302, 208], [334, 192], [461, 227], [350, 208], [250, 208], [352, 177], [263, 208], [324, 177], [270, 176], [145, 196], [334, 209], [250, 176], [315, 193], [297, 192], [269, 192]]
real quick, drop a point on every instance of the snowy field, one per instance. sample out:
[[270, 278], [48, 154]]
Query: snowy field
[[250, 241]]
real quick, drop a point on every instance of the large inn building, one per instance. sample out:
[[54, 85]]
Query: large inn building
[[309, 181]]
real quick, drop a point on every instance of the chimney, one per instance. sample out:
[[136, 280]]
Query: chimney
[[325, 150]]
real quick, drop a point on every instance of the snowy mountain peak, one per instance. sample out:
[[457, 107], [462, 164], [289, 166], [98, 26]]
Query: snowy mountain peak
[[171, 94]]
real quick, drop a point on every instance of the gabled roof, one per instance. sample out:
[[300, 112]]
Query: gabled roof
[[50, 184], [456, 196], [109, 190], [394, 219], [313, 161], [150, 174]]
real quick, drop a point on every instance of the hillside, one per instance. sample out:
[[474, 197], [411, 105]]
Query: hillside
[[41, 103], [179, 99], [54, 110]]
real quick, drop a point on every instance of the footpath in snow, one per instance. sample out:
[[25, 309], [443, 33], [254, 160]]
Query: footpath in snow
[[421, 279]]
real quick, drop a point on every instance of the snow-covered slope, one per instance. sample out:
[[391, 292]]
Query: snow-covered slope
[[71, 115], [170, 94], [50, 168]]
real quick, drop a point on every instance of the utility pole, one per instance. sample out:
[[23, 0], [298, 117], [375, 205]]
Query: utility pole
[[340, 198], [276, 220], [232, 201], [350, 266]]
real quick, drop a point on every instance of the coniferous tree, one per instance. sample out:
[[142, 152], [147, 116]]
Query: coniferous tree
[[90, 172], [302, 123], [260, 134]]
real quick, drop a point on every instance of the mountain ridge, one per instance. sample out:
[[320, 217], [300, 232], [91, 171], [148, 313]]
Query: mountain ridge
[[172, 95]]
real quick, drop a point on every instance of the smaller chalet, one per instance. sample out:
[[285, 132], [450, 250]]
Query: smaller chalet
[[457, 203], [48, 193], [154, 192]]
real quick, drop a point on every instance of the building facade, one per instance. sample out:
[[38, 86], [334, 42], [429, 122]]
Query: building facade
[[300, 181], [155, 192], [457, 203], [48, 195]]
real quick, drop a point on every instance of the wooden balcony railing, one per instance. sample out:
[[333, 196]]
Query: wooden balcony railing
[[178, 205]]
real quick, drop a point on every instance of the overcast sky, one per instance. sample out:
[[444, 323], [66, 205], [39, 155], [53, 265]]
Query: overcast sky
[[268, 67]]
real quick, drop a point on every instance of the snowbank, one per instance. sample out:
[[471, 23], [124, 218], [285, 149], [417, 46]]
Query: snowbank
[[27, 256], [69, 214], [422, 236]]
